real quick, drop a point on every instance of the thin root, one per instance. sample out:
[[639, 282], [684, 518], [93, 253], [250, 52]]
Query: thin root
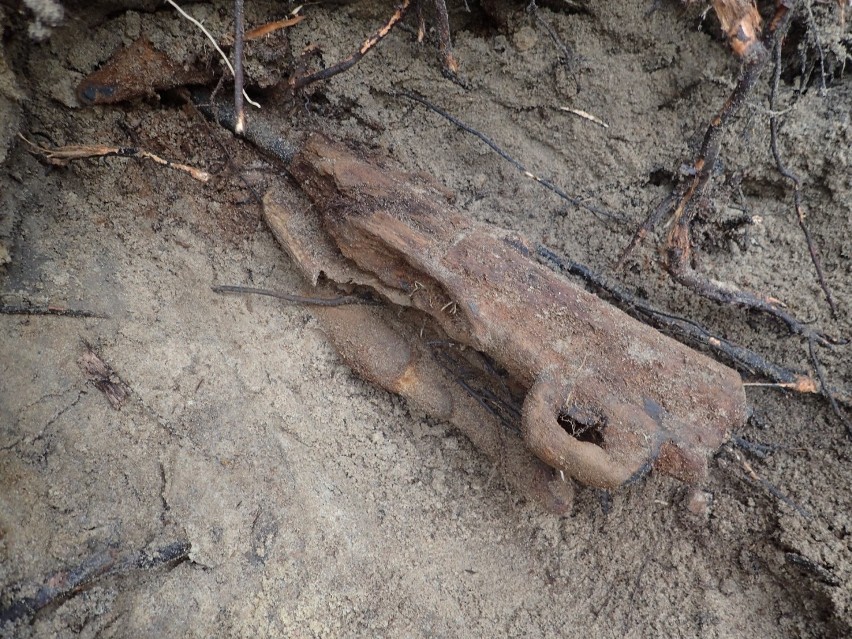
[[771, 488], [215, 45], [60, 156], [682, 204], [299, 82], [596, 210], [692, 333], [794, 179]]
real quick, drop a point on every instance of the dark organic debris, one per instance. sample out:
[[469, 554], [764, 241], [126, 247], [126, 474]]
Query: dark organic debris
[[104, 378], [65, 584], [811, 567], [59, 311]]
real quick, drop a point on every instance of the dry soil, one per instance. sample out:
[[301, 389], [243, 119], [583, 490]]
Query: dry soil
[[317, 505]]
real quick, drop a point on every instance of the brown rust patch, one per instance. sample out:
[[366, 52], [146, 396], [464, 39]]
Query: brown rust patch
[[655, 402], [137, 71]]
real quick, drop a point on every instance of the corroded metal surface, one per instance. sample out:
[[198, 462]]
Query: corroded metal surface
[[607, 397]]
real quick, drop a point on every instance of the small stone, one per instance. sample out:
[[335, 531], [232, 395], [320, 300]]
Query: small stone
[[729, 587], [525, 38], [699, 502]]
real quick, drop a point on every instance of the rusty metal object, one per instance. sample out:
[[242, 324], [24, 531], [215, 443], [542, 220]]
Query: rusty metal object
[[607, 397], [137, 71], [387, 349]]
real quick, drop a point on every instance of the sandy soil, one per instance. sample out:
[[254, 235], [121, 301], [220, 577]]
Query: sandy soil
[[317, 505]]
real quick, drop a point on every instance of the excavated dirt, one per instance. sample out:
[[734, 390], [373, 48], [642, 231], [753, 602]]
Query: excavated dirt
[[316, 505]]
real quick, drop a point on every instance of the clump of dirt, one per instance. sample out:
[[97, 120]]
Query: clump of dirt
[[251, 484]]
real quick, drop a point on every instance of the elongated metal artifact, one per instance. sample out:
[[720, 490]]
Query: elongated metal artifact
[[635, 398]]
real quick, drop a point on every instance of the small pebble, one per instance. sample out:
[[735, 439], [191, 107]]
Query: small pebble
[[525, 38], [699, 503]]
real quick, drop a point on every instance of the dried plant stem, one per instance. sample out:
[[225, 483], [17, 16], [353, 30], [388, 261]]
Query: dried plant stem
[[214, 43], [60, 156]]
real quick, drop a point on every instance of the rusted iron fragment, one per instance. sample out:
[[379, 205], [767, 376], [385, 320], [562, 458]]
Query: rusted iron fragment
[[134, 72], [389, 349], [607, 397]]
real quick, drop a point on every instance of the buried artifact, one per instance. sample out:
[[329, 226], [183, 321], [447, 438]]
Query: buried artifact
[[605, 398]]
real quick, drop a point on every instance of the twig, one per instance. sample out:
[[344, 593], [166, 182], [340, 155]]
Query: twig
[[103, 377], [566, 56], [65, 584], [60, 156], [421, 22], [448, 60], [215, 45], [585, 115], [598, 211], [654, 218], [820, 572], [9, 309], [825, 390], [794, 179], [760, 450], [239, 79], [303, 81], [771, 488], [342, 300]]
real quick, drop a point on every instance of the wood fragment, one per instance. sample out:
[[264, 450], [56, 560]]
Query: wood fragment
[[62, 155], [271, 27], [606, 424], [136, 71], [741, 23], [585, 115]]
